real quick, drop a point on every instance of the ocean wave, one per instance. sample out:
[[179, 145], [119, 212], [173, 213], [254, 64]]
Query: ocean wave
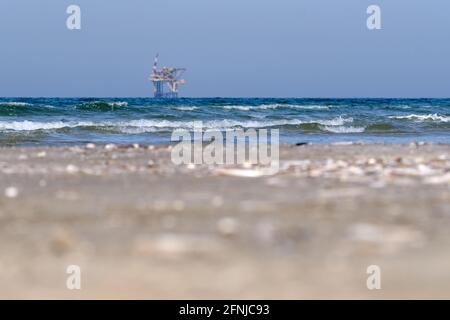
[[138, 130], [33, 126], [210, 124], [342, 129], [15, 104], [227, 123], [423, 117], [273, 106], [381, 127], [339, 121], [118, 104], [186, 108], [102, 104], [153, 125]]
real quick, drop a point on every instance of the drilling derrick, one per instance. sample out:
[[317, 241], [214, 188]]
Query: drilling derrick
[[166, 80]]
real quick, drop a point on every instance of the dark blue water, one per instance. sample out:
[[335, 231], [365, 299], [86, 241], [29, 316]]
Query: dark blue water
[[119, 120]]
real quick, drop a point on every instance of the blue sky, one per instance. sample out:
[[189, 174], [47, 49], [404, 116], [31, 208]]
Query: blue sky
[[232, 48]]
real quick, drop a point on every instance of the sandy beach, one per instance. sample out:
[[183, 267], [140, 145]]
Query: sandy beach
[[141, 227]]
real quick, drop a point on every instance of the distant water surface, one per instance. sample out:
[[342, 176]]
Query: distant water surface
[[57, 121]]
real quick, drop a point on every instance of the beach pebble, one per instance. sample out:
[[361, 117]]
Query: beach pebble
[[424, 169], [90, 146], [61, 242], [11, 192], [110, 146], [244, 173], [441, 179], [150, 163], [355, 171], [170, 244], [72, 169], [165, 245], [247, 165], [419, 160], [41, 154], [130, 167], [136, 145], [191, 166], [227, 226]]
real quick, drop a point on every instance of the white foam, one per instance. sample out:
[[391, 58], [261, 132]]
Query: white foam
[[227, 123], [186, 108], [32, 126], [117, 104], [18, 104], [339, 121], [138, 130], [342, 129], [150, 125], [273, 106], [424, 117], [108, 103], [242, 108]]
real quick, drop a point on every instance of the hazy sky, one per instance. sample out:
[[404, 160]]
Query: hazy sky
[[242, 48]]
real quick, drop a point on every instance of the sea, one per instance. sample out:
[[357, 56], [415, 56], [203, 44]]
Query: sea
[[76, 121]]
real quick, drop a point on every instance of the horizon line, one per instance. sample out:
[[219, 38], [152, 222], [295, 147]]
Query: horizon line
[[223, 97]]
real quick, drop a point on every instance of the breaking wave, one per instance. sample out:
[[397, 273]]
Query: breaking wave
[[33, 126], [227, 123], [186, 108], [342, 129], [426, 117], [102, 104], [118, 104], [15, 104], [147, 125], [273, 106]]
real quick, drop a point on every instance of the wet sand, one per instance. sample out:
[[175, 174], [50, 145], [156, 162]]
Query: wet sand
[[141, 227]]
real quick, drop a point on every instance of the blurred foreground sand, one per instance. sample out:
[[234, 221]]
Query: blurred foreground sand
[[141, 227]]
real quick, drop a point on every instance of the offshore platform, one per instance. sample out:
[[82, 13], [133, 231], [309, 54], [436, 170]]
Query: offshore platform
[[166, 80]]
